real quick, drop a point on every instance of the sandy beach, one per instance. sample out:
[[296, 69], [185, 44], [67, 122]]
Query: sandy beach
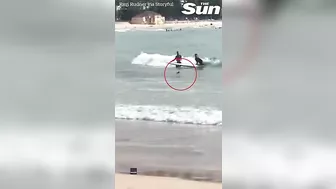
[[123, 181], [121, 26], [172, 154]]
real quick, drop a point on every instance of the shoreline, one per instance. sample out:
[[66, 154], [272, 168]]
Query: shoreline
[[149, 146], [123, 181], [173, 25]]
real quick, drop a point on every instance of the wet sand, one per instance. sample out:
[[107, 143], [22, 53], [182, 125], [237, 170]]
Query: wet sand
[[162, 149]]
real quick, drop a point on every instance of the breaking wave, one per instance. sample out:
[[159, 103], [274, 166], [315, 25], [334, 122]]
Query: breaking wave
[[57, 148], [158, 60], [256, 162], [172, 114]]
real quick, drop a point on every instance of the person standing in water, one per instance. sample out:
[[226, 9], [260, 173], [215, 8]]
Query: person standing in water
[[178, 59]]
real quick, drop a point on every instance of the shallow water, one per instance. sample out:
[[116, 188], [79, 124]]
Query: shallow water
[[142, 93]]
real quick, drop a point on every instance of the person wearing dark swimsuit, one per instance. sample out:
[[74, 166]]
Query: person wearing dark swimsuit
[[198, 60]]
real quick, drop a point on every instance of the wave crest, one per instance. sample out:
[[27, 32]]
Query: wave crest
[[185, 115], [158, 60]]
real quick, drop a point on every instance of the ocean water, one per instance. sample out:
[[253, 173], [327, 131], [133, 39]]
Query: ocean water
[[56, 107], [56, 112], [278, 120], [279, 115], [142, 92]]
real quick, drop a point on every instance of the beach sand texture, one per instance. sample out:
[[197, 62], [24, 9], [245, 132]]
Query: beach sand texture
[[165, 150], [123, 181]]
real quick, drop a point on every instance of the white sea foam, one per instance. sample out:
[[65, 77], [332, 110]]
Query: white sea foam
[[188, 115], [151, 29], [57, 149], [158, 60], [139, 29], [122, 30], [292, 162]]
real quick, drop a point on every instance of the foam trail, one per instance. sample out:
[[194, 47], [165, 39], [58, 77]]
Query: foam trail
[[57, 149], [158, 60], [54, 155], [277, 163], [186, 115]]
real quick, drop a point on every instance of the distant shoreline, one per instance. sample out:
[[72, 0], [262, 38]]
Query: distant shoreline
[[170, 25]]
